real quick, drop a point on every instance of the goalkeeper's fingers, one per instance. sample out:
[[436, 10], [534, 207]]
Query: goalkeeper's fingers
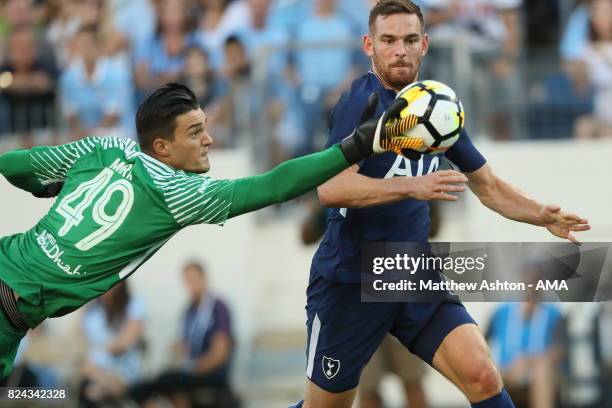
[[390, 137]]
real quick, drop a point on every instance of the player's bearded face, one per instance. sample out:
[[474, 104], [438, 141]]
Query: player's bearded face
[[397, 46], [189, 149]]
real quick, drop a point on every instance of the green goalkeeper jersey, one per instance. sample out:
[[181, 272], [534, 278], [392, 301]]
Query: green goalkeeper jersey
[[118, 206]]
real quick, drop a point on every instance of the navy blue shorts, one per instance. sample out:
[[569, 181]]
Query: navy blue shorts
[[344, 332]]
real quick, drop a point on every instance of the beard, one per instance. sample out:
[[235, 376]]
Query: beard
[[396, 81]]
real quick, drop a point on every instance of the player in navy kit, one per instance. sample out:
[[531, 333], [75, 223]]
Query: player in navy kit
[[382, 199]]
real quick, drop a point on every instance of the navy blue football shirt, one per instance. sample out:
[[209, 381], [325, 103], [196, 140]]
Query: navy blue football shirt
[[338, 255]]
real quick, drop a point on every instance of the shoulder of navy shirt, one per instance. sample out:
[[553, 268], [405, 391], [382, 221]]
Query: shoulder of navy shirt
[[338, 255]]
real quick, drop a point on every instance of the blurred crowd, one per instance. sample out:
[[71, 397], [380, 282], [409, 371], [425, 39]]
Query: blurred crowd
[[269, 71], [105, 364]]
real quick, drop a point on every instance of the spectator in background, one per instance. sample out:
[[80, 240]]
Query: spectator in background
[[62, 23], [220, 19], [492, 30], [66, 17], [124, 13], [236, 106], [36, 362], [44, 355], [527, 343], [576, 34], [21, 12], [259, 36], [273, 88], [286, 14], [161, 58], [586, 374], [597, 57], [324, 71], [27, 85], [200, 77], [114, 327], [204, 351], [96, 95], [113, 43]]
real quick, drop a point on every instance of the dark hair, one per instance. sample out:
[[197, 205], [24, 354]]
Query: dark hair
[[233, 39], [156, 116], [389, 7], [194, 265], [89, 29]]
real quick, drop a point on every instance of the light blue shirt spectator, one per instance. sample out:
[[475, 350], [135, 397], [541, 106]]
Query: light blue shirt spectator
[[272, 38], [126, 12], [511, 335], [153, 52], [325, 67], [108, 92], [127, 365], [286, 14], [576, 34]]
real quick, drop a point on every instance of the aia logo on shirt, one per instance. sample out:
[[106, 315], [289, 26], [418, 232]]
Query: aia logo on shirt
[[404, 167], [331, 367]]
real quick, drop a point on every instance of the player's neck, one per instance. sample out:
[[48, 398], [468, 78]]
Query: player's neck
[[386, 84], [159, 159]]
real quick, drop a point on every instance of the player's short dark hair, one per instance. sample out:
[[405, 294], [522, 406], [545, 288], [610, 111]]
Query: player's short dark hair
[[390, 7], [156, 116]]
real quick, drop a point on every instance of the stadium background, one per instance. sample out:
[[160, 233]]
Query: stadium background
[[536, 124]]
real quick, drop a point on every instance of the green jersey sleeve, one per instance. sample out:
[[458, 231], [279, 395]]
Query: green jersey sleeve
[[191, 198], [52, 164], [32, 170], [194, 199]]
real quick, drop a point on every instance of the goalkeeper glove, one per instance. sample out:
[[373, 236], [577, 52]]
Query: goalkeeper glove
[[378, 136]]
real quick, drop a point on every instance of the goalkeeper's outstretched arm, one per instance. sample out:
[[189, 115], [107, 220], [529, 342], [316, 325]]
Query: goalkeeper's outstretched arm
[[287, 181], [295, 177]]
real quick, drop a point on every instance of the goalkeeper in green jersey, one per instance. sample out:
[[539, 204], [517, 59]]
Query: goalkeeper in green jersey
[[119, 202]]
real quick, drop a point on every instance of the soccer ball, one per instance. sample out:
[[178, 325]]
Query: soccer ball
[[440, 115]]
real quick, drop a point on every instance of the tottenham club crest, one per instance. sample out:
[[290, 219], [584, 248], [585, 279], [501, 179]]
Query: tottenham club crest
[[331, 367]]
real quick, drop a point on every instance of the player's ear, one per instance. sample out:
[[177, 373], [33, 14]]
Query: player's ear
[[425, 44], [368, 46], [161, 147]]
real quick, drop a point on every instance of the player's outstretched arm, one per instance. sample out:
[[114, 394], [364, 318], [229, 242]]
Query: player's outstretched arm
[[512, 203], [287, 181], [295, 177], [350, 189]]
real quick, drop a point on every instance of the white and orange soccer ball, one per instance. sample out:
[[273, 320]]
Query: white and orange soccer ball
[[438, 114]]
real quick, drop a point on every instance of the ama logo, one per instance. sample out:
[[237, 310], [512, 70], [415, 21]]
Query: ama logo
[[331, 367]]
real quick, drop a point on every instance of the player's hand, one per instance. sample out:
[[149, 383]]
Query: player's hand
[[437, 185], [562, 224], [51, 190], [371, 136], [390, 132]]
